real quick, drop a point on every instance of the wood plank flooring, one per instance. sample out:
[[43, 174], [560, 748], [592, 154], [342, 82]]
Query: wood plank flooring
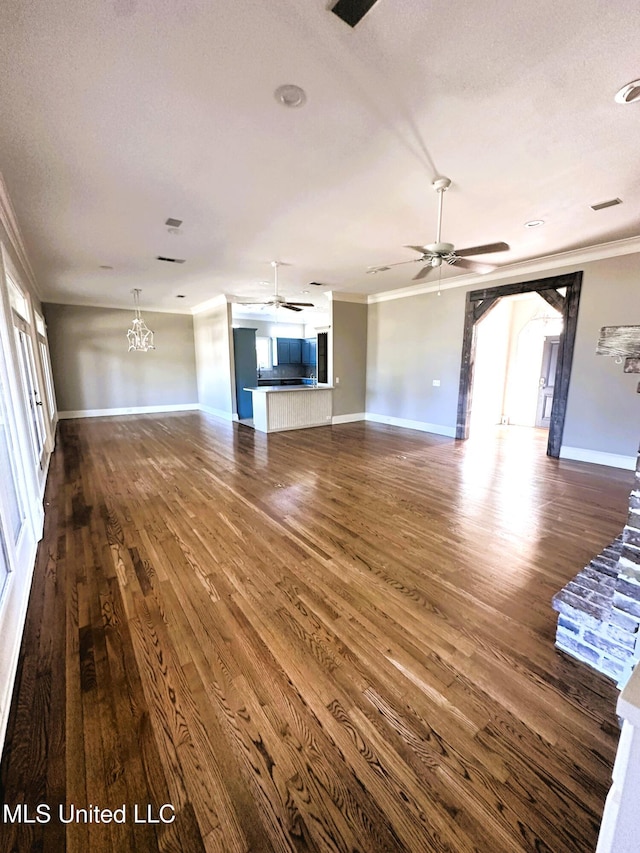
[[337, 639]]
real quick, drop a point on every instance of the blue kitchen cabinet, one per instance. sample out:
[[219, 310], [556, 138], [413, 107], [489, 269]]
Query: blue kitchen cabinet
[[282, 347], [246, 372], [289, 350], [309, 351], [295, 351]]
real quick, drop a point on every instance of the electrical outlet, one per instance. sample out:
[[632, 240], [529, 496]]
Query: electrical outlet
[[337, 380]]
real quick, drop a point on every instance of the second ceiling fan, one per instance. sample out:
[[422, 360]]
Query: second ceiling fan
[[278, 301], [435, 254]]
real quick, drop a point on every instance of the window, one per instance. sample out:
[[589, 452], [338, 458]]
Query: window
[[264, 353], [17, 299], [40, 327]]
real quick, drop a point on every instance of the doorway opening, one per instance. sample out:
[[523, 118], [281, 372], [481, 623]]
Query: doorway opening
[[515, 363], [562, 293]]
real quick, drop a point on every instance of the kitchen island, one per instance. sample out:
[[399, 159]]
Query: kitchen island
[[280, 407]]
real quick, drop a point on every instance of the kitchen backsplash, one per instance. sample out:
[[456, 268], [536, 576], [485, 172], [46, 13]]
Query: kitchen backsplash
[[287, 371]]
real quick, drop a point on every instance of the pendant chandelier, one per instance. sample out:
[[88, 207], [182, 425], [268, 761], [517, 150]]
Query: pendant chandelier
[[139, 336]]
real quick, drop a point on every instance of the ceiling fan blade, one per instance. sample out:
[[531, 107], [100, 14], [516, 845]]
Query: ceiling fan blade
[[253, 303], [424, 272], [385, 267], [289, 306], [301, 304], [420, 249], [482, 250], [474, 266]]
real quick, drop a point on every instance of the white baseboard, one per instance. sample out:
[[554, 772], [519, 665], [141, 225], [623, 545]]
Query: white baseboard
[[219, 413], [348, 419], [598, 457], [437, 429], [131, 410]]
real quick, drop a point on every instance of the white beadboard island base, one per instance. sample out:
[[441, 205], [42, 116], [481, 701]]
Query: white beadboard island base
[[278, 408]]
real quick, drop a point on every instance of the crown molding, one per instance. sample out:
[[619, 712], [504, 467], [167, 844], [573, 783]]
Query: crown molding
[[546, 263], [145, 309], [10, 224], [339, 296]]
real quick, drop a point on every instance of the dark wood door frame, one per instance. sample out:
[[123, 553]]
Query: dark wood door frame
[[478, 305]]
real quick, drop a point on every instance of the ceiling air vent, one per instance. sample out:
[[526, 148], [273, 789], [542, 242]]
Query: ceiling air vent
[[315, 284], [611, 203], [170, 260], [352, 11], [173, 223]]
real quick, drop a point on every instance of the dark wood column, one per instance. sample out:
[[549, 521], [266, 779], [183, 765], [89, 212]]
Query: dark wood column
[[477, 306]]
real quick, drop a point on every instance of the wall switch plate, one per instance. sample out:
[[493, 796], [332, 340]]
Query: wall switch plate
[[337, 380], [436, 383]]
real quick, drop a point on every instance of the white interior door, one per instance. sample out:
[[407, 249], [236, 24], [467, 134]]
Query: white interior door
[[32, 390], [547, 380], [50, 407]]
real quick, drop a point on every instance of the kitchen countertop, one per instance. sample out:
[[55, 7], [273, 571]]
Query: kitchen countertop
[[271, 389]]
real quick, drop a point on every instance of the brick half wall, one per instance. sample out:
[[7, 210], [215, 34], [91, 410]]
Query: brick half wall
[[599, 610]]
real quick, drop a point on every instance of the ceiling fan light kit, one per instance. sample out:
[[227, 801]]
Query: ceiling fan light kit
[[434, 254]]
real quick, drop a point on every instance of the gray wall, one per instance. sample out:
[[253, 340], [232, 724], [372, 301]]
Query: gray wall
[[603, 409], [417, 339], [349, 340], [413, 341], [214, 359], [93, 370]]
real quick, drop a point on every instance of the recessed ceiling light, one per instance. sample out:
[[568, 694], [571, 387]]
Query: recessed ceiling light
[[105, 267], [290, 95], [304, 291], [534, 223], [629, 93]]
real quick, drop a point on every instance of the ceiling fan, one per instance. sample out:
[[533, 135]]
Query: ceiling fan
[[278, 301], [434, 254]]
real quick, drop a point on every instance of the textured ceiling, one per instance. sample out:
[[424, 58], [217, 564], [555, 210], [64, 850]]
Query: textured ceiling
[[119, 114]]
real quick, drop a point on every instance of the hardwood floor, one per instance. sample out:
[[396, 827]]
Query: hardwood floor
[[337, 639]]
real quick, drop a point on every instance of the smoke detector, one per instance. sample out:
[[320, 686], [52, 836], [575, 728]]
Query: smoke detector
[[290, 95]]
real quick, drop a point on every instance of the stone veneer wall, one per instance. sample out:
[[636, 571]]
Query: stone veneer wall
[[599, 610]]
